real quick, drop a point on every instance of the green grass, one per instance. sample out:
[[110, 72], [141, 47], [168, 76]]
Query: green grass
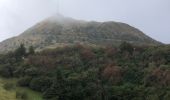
[[11, 94]]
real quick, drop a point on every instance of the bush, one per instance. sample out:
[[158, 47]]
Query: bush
[[6, 71], [40, 83], [8, 86], [33, 71], [21, 95], [126, 47], [25, 81]]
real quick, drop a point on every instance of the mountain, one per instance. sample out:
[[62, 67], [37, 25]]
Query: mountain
[[59, 30]]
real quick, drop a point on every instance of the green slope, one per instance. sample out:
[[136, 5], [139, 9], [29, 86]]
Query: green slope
[[11, 94]]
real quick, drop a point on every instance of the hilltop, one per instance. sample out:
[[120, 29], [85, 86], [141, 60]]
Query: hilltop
[[59, 30]]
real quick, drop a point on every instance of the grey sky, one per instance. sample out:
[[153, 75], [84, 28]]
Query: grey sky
[[150, 16]]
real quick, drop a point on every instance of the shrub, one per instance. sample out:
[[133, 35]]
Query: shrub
[[33, 71], [25, 81], [126, 47], [40, 83], [6, 71], [21, 95], [8, 86]]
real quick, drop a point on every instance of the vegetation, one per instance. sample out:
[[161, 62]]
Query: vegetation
[[8, 86], [21, 95], [9, 91], [127, 72]]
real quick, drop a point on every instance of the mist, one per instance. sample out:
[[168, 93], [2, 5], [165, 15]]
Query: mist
[[150, 16]]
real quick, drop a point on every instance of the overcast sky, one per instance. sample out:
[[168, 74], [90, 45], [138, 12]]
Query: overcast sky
[[150, 16]]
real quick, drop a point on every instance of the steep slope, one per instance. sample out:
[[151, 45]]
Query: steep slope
[[59, 30]]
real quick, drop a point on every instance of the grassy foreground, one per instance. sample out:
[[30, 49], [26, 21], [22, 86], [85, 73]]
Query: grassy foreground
[[11, 94]]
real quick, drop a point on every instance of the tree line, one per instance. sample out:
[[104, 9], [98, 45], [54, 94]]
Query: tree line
[[81, 72]]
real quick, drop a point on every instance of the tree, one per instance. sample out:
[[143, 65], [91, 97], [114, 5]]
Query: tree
[[126, 47], [6, 70], [40, 83], [20, 52], [31, 50], [25, 81]]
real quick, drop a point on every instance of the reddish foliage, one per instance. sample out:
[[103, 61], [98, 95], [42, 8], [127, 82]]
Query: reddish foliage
[[112, 73], [110, 51], [87, 54], [162, 77], [45, 62]]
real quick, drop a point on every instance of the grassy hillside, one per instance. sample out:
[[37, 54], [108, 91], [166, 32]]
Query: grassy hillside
[[4, 94], [11, 94]]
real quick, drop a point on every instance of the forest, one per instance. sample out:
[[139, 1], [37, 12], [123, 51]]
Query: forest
[[82, 72]]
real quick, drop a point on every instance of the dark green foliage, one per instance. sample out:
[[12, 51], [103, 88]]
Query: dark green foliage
[[32, 71], [81, 72], [133, 75], [31, 50], [126, 47], [6, 70], [40, 83], [20, 52], [25, 81]]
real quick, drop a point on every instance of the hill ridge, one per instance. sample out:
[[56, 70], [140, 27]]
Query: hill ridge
[[58, 30]]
